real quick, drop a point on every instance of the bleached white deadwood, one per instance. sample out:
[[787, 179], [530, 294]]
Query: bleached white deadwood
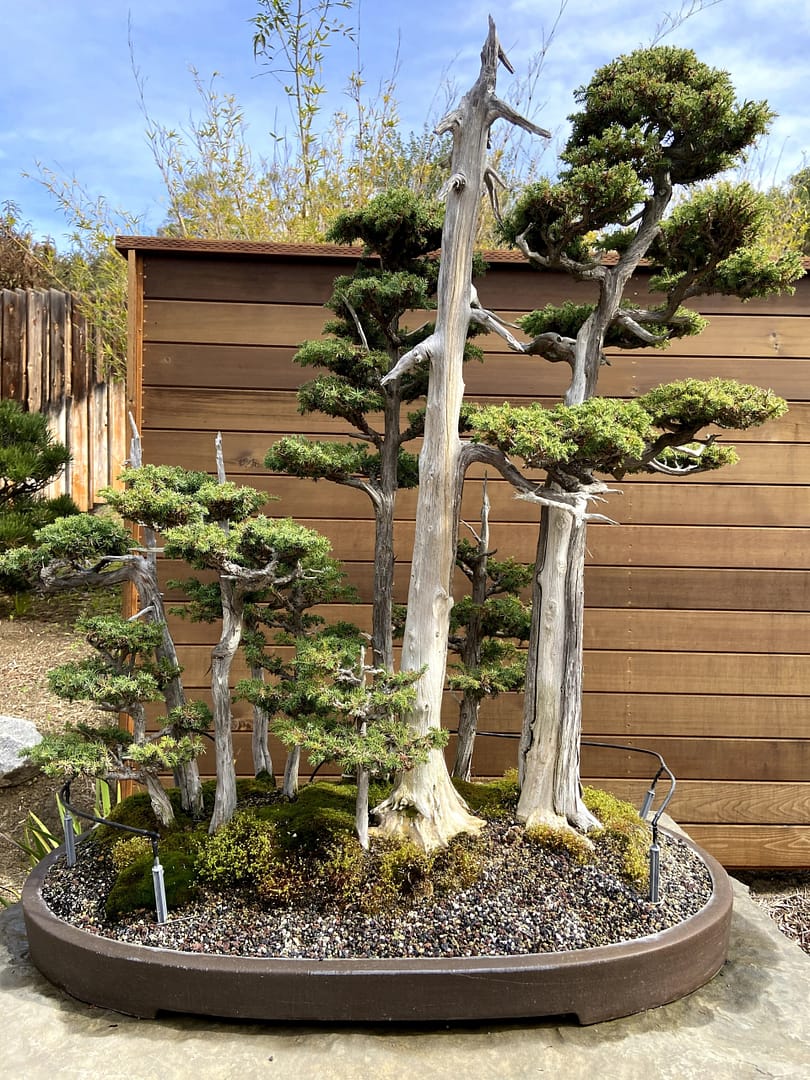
[[424, 806]]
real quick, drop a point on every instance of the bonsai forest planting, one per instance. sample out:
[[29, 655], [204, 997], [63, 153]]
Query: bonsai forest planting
[[638, 181]]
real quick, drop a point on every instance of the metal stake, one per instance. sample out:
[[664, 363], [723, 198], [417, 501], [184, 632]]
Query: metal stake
[[160, 891], [655, 872], [70, 838]]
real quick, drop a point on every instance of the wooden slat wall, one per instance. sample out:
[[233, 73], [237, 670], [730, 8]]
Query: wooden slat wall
[[697, 630], [47, 365]]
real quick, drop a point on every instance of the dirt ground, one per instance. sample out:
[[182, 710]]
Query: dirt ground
[[43, 637], [30, 644]]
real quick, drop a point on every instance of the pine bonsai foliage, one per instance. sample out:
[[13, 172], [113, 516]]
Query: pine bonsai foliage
[[120, 678], [30, 458]]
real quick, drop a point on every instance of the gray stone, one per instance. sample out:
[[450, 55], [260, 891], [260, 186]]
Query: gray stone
[[750, 1021], [15, 735]]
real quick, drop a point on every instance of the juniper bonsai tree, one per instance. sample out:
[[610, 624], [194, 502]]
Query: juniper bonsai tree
[[424, 805], [120, 678], [398, 230], [86, 551], [30, 458], [663, 430], [650, 122], [329, 702], [212, 525], [271, 618]]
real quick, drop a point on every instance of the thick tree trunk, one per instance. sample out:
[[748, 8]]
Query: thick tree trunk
[[161, 805], [292, 766], [382, 639], [548, 764], [221, 660], [424, 806]]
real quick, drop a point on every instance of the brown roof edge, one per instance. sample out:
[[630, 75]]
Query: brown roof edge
[[171, 244], [182, 245]]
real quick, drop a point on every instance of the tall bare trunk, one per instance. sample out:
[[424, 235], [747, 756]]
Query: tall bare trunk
[[424, 805], [552, 721], [262, 758], [221, 660]]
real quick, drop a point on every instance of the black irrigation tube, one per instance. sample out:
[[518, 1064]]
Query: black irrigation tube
[[151, 834], [663, 769]]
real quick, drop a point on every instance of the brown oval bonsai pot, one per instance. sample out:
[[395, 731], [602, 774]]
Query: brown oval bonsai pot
[[591, 984]]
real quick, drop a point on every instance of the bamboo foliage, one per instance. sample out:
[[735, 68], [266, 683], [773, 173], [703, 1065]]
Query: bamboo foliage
[[49, 363]]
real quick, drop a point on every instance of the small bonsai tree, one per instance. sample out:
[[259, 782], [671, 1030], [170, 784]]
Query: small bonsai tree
[[330, 703], [272, 617], [120, 678], [30, 459], [89, 551], [484, 628]]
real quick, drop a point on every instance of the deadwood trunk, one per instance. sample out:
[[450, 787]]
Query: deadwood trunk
[[548, 764], [424, 806], [221, 661]]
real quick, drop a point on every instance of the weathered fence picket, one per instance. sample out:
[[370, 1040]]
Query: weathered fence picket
[[48, 365]]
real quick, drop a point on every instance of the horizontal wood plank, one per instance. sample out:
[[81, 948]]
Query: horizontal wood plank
[[623, 672], [305, 280], [760, 846], [721, 801]]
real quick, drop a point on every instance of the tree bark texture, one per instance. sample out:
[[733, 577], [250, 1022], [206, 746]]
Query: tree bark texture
[[292, 767], [262, 758], [221, 660], [548, 764], [471, 651]]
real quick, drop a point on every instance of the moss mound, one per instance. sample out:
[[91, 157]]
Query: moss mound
[[286, 851]]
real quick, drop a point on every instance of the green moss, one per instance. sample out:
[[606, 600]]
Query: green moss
[[624, 835], [493, 799], [130, 849], [238, 853], [133, 888], [563, 841]]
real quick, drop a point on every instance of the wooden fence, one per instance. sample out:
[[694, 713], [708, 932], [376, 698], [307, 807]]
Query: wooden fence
[[48, 365], [697, 632]]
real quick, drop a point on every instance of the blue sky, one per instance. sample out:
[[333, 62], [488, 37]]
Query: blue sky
[[69, 98]]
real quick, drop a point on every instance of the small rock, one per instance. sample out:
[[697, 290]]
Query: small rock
[[15, 735]]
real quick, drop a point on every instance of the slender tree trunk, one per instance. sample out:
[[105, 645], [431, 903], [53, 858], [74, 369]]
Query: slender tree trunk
[[262, 758], [361, 807], [471, 650], [186, 775], [548, 763], [382, 639], [161, 805], [221, 660], [467, 726]]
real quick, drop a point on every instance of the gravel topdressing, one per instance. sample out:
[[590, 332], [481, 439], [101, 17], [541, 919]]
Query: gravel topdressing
[[528, 900]]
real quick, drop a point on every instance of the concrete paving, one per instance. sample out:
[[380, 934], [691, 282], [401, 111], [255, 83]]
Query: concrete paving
[[752, 1020]]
